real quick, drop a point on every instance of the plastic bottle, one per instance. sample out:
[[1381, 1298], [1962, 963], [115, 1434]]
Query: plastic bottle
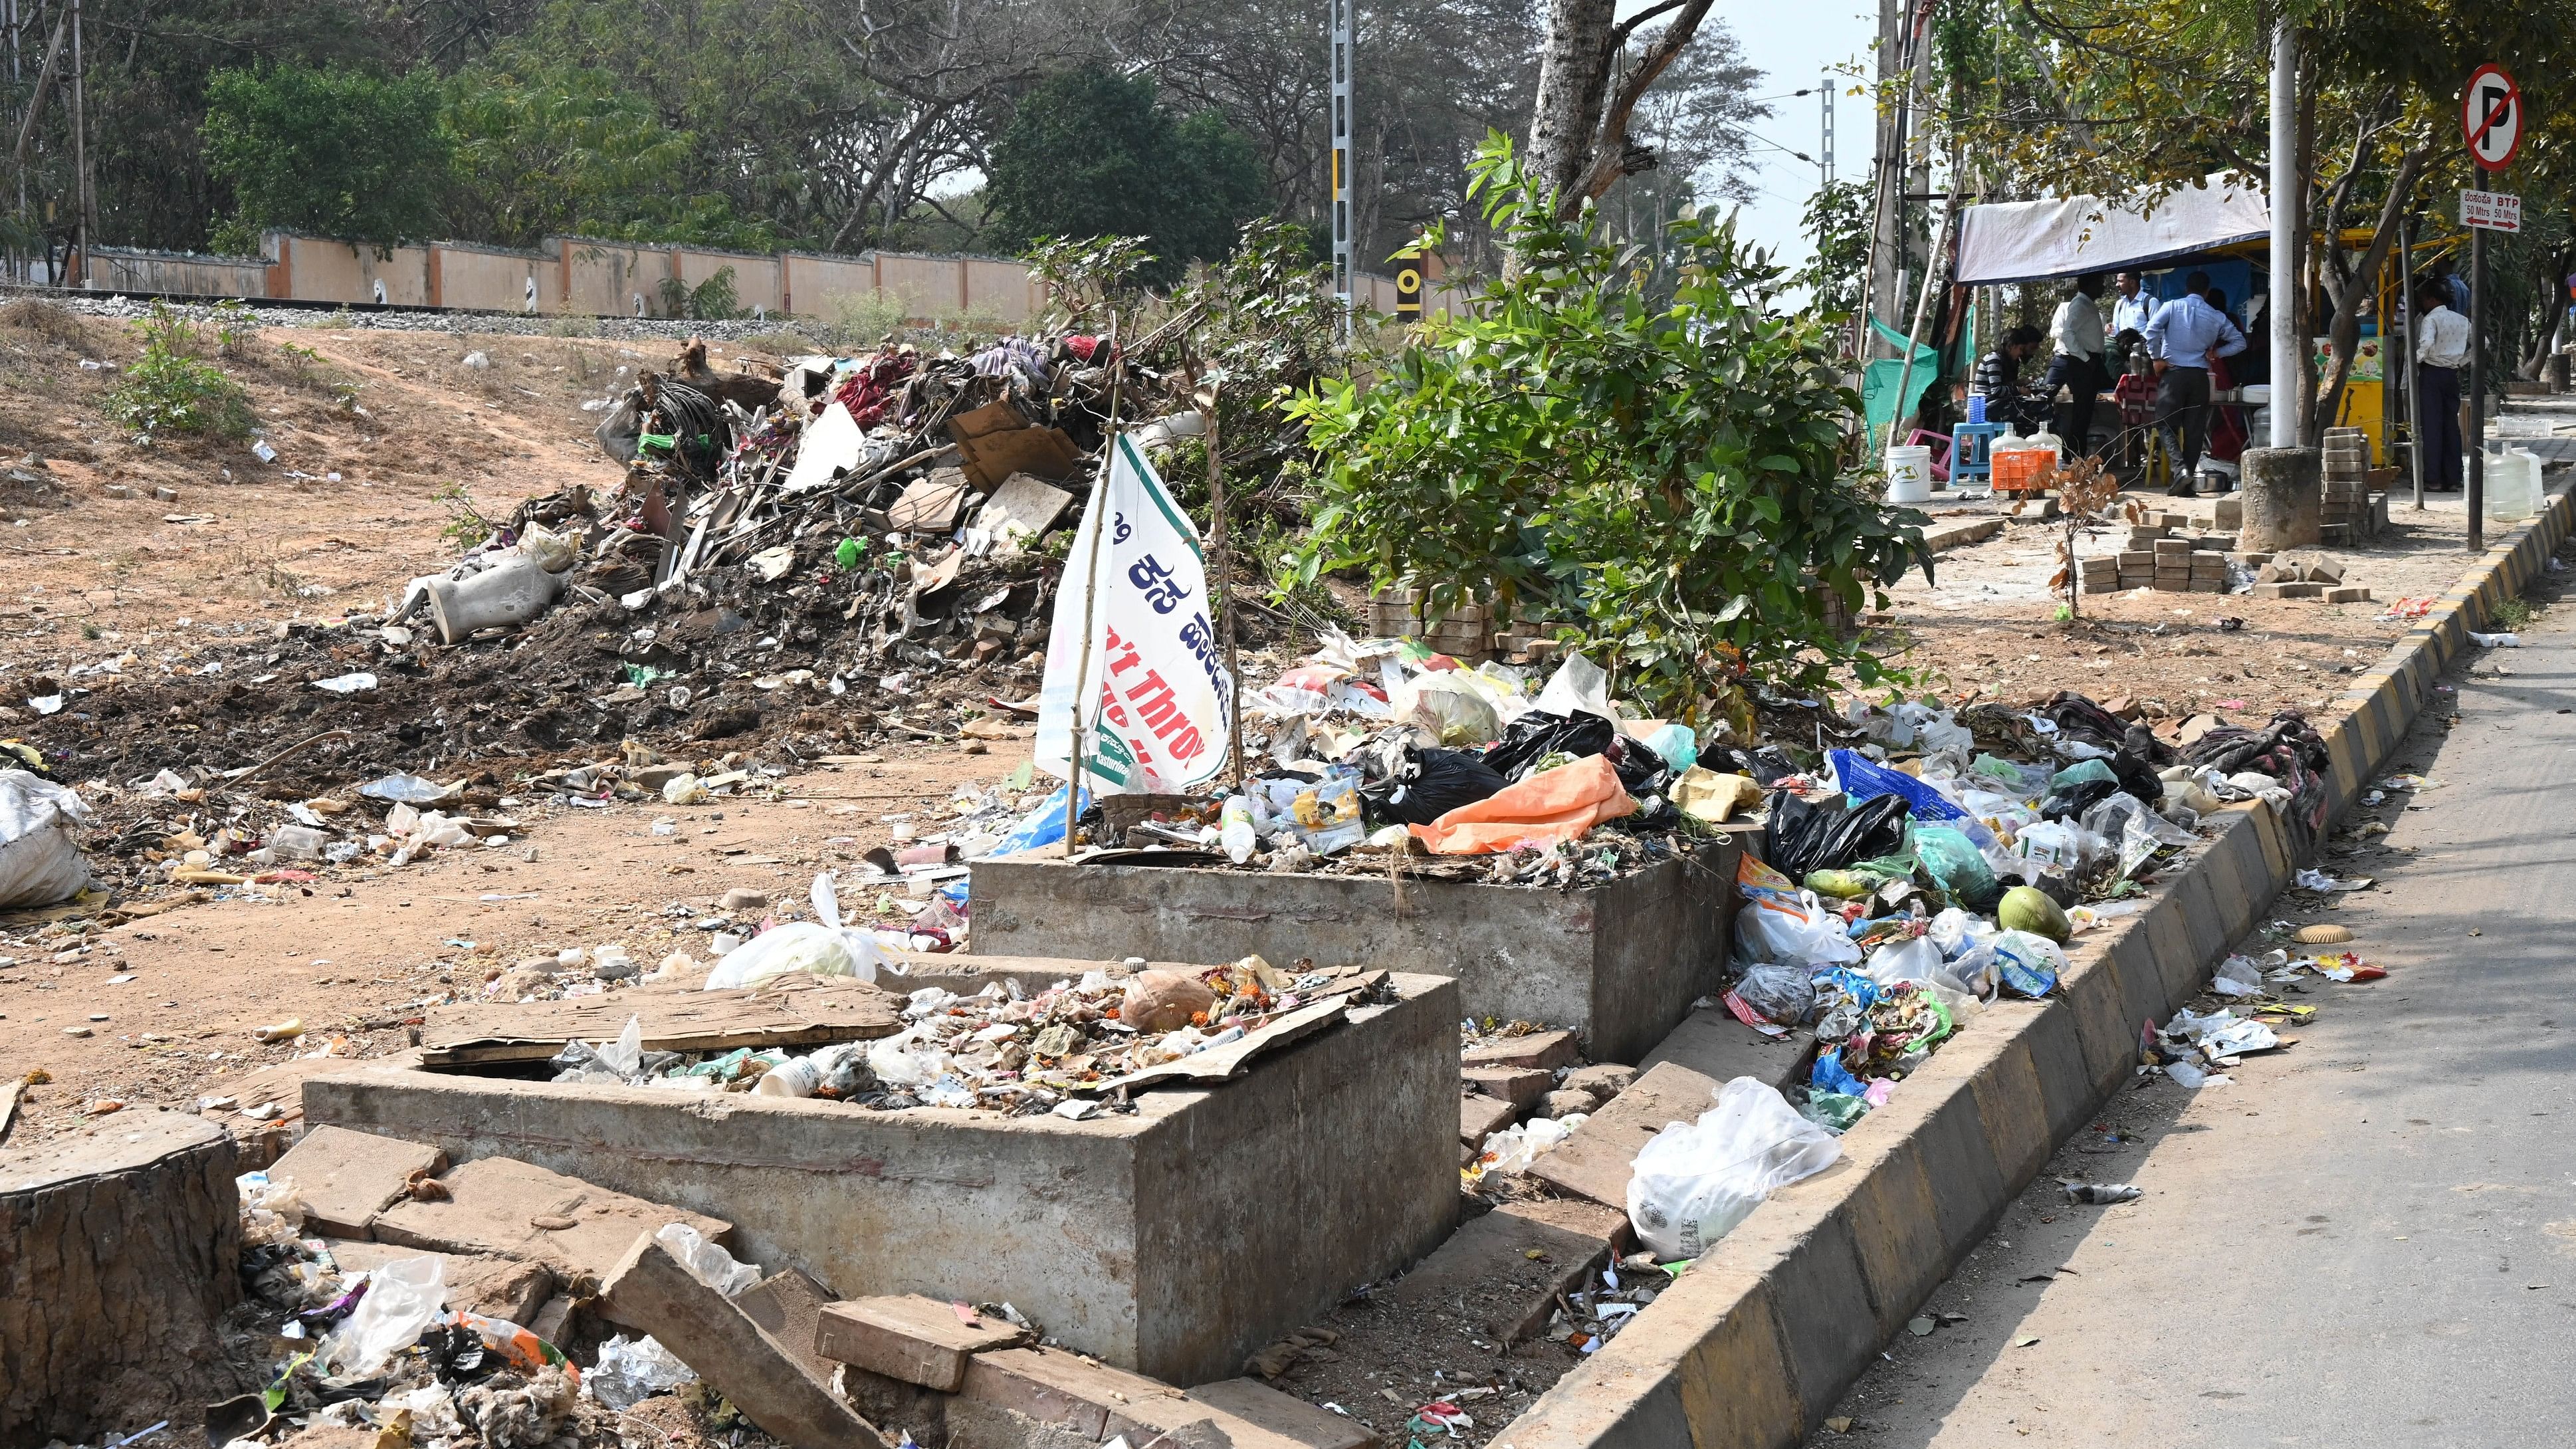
[[1235, 831]]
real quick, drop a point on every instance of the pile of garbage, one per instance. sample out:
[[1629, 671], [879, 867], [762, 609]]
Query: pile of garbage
[[380, 1349], [1948, 859], [1069, 1049]]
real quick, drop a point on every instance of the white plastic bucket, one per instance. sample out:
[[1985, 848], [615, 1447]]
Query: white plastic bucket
[[1909, 475]]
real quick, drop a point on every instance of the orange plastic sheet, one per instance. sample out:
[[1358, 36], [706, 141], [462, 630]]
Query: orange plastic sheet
[[1549, 807]]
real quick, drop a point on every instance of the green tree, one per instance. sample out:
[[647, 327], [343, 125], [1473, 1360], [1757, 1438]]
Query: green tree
[[1837, 216], [1089, 153], [1667, 478], [329, 151]]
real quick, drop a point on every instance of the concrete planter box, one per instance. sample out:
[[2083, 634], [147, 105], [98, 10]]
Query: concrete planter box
[[1173, 1242], [1620, 963]]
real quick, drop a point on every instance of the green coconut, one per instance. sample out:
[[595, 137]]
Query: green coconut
[[2027, 908]]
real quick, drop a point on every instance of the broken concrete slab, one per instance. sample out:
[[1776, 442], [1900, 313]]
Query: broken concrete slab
[[1023, 507], [503, 1205], [1286, 1415], [1608, 1079], [1486, 1270], [513, 1289], [1052, 1388], [348, 1177], [1711, 1042], [1544, 1050], [931, 505], [912, 1338], [1594, 1163], [1519, 1086], [788, 1307], [652, 1291], [1480, 1117], [1567, 1102]]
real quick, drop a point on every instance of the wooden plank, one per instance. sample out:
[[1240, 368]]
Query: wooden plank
[[806, 1011]]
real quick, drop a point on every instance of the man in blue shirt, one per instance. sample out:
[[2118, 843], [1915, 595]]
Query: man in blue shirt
[[2183, 337], [2131, 310]]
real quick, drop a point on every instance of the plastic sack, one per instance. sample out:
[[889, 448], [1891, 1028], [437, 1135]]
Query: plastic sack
[[633, 1370], [1556, 806], [40, 859], [1865, 779], [822, 947], [1694, 1181], [404, 1297], [1797, 932], [1778, 994], [1912, 958], [1677, 744], [1540, 733], [706, 1262], [1453, 711], [1956, 865], [1804, 835], [2138, 831]]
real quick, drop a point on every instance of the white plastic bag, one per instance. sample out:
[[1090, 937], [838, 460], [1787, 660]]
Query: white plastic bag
[[40, 859], [822, 947], [706, 1262], [404, 1297], [1695, 1181], [1514, 1148], [1455, 711], [1773, 931], [1578, 686], [633, 1370]]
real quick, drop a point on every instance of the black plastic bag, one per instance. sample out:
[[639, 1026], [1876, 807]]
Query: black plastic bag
[[1641, 770], [1430, 784], [2071, 802], [1538, 734], [1806, 835]]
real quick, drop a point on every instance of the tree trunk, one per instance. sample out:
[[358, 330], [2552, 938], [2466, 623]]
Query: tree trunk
[[1573, 78], [2364, 279], [2311, 430], [116, 1258]]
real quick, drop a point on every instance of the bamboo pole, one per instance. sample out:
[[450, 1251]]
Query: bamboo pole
[[1091, 584]]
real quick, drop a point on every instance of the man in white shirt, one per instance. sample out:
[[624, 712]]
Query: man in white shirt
[[2441, 350], [2076, 332]]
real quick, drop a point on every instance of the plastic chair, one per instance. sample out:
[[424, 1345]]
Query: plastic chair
[[1971, 455], [1941, 448]]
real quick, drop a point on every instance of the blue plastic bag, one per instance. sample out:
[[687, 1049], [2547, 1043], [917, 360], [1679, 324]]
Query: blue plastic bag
[[2027, 965], [1830, 1075], [1041, 826], [1677, 744]]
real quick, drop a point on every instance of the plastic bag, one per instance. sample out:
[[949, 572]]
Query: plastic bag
[[2139, 831], [706, 1262], [1694, 1181], [1431, 783], [1514, 1148], [1779, 994], [1956, 865], [1540, 733], [1913, 958], [1677, 744], [40, 859], [1804, 835], [404, 1297], [1797, 932], [1041, 826], [1577, 687], [633, 1370], [2057, 848], [1833, 1111], [821, 947], [2028, 965], [1328, 814]]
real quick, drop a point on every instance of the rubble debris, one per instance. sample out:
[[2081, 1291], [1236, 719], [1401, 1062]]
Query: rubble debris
[[652, 1291], [518, 1209], [347, 1177], [913, 1339]]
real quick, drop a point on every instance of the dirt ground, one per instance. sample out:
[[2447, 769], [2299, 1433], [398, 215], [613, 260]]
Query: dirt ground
[[1987, 627]]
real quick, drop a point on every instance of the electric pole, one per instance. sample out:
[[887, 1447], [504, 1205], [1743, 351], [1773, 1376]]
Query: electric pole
[[1343, 278]]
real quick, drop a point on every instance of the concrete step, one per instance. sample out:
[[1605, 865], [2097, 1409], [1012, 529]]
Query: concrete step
[[1486, 1270], [1593, 1163]]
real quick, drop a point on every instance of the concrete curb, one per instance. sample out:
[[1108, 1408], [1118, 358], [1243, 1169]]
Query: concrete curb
[[1752, 1347]]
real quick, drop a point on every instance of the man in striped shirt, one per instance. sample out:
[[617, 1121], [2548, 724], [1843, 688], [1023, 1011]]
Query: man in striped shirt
[[1998, 381]]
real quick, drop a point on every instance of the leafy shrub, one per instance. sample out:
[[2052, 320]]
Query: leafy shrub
[[175, 388], [1665, 479]]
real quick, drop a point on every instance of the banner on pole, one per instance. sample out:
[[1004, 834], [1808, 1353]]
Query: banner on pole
[[1155, 719]]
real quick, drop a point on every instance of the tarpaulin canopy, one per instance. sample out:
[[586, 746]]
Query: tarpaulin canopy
[[2030, 241]]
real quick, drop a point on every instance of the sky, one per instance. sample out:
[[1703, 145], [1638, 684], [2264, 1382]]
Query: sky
[[1792, 43]]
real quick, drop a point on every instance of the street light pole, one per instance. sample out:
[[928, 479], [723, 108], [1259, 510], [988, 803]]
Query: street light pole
[[2286, 207]]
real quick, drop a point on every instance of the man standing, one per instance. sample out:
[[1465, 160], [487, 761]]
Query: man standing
[[2183, 337], [2076, 330], [2131, 309], [2441, 350]]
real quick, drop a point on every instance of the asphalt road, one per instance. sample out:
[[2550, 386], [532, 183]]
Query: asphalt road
[[2366, 1238]]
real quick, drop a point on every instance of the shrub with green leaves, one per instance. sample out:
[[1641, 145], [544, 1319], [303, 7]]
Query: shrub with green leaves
[[174, 388], [1664, 481]]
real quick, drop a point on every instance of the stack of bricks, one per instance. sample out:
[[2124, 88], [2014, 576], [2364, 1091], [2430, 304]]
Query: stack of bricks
[[2350, 515], [2156, 558], [2101, 575]]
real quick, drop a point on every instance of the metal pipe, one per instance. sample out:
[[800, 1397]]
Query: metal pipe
[[2414, 399], [2286, 207], [2477, 387]]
